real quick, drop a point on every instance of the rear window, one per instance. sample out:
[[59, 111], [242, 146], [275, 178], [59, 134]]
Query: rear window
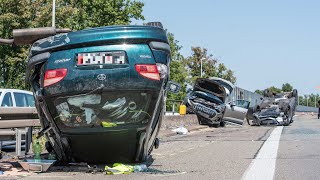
[[104, 110]]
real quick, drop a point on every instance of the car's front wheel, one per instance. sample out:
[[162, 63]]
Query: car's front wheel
[[222, 123]]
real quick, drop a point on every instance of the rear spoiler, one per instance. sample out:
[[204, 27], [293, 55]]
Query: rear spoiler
[[29, 36]]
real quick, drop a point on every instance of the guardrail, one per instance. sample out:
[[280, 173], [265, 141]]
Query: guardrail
[[16, 123], [306, 109], [174, 104]]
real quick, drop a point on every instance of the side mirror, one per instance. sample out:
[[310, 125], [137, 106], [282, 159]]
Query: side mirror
[[173, 87], [189, 90]]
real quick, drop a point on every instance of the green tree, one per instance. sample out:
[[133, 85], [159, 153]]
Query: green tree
[[210, 65], [259, 92], [287, 87], [274, 89], [71, 14], [82, 14], [13, 15], [177, 71]]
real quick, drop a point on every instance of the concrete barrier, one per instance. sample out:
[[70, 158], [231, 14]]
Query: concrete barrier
[[174, 121]]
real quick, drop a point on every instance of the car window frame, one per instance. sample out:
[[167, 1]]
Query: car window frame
[[12, 100], [237, 105]]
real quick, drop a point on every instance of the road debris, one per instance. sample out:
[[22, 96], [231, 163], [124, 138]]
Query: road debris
[[181, 130], [108, 124], [119, 168]]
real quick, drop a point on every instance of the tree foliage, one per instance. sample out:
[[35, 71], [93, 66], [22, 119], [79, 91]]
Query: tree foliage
[[274, 90], [287, 87], [82, 14], [309, 100], [211, 67], [71, 14], [259, 92], [177, 71]]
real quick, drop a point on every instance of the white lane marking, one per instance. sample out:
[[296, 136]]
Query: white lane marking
[[263, 166]]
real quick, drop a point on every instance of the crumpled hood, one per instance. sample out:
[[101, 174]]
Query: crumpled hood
[[207, 96], [215, 86]]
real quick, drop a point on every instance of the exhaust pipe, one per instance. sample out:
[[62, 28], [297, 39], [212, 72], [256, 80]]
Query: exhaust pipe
[[29, 36], [6, 41]]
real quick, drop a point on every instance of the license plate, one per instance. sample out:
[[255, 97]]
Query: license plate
[[118, 57], [205, 110]]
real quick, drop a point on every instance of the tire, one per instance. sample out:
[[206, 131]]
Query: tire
[[48, 146], [214, 125], [249, 115], [249, 122], [287, 122], [266, 93], [200, 120], [222, 123], [295, 93]]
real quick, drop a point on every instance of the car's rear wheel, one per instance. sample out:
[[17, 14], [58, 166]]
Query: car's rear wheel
[[295, 93]]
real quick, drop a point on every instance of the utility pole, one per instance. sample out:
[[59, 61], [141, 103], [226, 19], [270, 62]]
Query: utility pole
[[53, 13], [201, 73]]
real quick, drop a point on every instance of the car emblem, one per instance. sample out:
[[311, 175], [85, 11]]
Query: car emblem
[[101, 77]]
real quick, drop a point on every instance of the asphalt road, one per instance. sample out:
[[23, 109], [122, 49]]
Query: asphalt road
[[232, 152]]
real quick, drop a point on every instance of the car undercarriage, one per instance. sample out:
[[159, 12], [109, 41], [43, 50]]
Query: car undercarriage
[[276, 109]]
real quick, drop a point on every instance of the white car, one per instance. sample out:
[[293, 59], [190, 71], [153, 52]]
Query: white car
[[16, 98]]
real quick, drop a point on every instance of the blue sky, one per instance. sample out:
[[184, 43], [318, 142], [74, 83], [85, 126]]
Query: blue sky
[[265, 42]]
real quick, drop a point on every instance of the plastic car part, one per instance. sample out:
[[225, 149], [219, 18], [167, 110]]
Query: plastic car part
[[163, 70], [87, 99], [155, 24], [116, 104]]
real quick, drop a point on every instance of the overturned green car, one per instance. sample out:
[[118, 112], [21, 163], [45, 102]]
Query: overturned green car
[[100, 92]]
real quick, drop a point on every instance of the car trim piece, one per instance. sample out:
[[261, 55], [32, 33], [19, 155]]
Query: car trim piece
[[160, 46]]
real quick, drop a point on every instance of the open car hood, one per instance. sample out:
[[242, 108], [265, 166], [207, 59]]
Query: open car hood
[[216, 86]]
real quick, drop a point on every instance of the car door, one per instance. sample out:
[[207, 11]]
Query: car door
[[236, 111]]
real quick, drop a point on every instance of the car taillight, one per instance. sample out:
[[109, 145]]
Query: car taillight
[[54, 76], [149, 71]]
